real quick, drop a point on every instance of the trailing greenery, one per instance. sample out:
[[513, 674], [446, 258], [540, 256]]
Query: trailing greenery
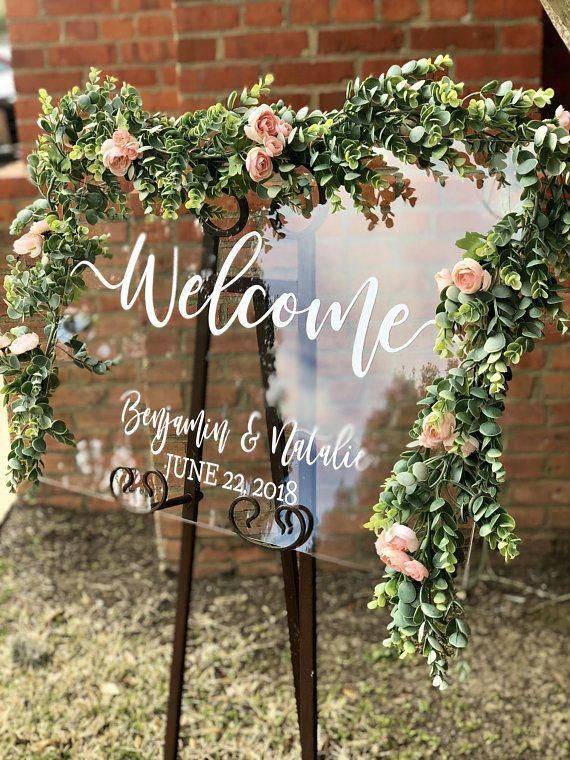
[[422, 117]]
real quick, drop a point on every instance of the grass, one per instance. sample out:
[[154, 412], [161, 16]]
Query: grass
[[85, 633]]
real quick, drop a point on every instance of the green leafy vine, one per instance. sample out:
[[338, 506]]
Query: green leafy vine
[[98, 144]]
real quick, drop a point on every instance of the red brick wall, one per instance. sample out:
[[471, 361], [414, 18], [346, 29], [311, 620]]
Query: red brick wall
[[184, 54]]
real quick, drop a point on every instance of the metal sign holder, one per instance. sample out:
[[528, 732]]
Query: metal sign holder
[[298, 568]]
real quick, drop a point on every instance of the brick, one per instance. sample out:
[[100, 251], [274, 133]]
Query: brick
[[556, 385], [28, 58], [400, 10], [507, 8], [546, 492], [354, 10], [149, 51], [144, 5], [264, 14], [369, 40], [217, 78], [528, 517], [521, 414], [58, 81], [376, 66], [534, 360], [137, 76], [315, 12], [559, 517], [155, 25], [92, 55], [559, 414], [206, 17], [558, 465], [312, 73], [523, 467], [196, 49], [34, 31], [522, 36], [21, 9], [117, 28], [448, 9], [459, 37], [81, 30], [255, 46], [560, 356], [70, 8], [516, 66]]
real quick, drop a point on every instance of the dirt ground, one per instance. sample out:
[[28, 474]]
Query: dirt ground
[[85, 631]]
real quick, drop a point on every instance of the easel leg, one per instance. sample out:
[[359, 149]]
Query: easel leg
[[308, 656], [302, 619], [177, 667]]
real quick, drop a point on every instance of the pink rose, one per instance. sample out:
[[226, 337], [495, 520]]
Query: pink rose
[[283, 128], [40, 228], [414, 569], [261, 121], [5, 341], [116, 160], [393, 558], [30, 244], [431, 436], [443, 279], [469, 446], [273, 145], [258, 164], [132, 149], [469, 276], [401, 537], [563, 117], [24, 343], [121, 137]]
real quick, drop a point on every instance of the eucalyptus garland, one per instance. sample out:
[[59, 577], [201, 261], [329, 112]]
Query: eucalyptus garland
[[98, 145]]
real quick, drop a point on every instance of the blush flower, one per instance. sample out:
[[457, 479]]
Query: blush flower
[[116, 160], [284, 128], [469, 446], [258, 164], [443, 279], [401, 537], [470, 277], [24, 343], [30, 244], [434, 435], [393, 558], [5, 341], [120, 151], [273, 145], [261, 121], [40, 228], [414, 569], [563, 117]]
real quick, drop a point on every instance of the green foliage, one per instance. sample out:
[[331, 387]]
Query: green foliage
[[418, 114]]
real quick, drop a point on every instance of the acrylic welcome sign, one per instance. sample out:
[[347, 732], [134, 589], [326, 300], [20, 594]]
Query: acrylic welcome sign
[[317, 335]]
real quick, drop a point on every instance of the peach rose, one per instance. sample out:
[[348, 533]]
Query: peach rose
[[563, 117], [258, 164], [5, 341], [30, 244], [432, 436], [261, 121], [469, 446], [284, 128], [121, 137], [469, 276], [24, 343], [401, 537], [116, 160], [40, 228], [393, 558], [443, 279], [414, 569], [273, 145]]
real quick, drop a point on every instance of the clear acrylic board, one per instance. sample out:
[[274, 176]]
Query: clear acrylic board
[[321, 342]]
